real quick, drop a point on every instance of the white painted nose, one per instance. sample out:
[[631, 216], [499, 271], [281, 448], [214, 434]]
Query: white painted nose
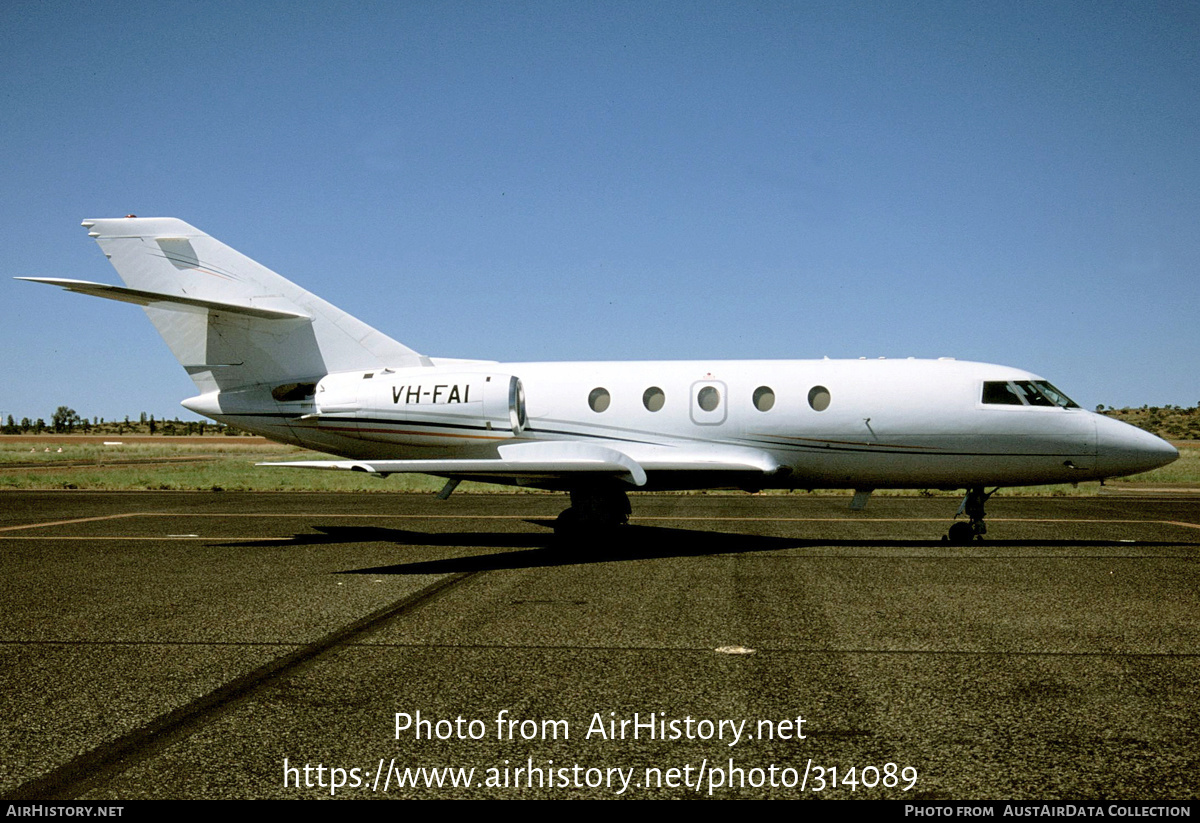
[[1123, 449]]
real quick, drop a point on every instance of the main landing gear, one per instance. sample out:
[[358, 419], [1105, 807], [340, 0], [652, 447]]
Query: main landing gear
[[973, 507], [593, 512]]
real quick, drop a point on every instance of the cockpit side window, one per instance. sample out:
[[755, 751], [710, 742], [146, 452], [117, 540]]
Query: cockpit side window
[[1001, 393]]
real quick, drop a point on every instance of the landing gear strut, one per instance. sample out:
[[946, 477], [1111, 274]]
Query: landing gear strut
[[593, 511], [973, 507]]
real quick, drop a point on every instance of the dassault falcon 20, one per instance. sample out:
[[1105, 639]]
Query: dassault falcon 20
[[269, 357]]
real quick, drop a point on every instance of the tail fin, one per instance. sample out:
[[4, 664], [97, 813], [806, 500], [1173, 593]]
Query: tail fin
[[231, 322]]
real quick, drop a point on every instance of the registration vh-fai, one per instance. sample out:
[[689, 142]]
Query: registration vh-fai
[[271, 358]]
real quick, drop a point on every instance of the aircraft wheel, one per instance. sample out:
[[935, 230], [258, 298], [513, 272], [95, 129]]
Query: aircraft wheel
[[568, 524], [575, 524], [961, 534]]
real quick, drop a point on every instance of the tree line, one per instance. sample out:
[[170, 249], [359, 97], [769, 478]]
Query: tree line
[[66, 420]]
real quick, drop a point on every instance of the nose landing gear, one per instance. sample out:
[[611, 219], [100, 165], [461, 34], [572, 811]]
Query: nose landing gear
[[960, 533]]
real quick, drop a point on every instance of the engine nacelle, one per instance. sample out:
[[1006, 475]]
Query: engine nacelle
[[423, 406]]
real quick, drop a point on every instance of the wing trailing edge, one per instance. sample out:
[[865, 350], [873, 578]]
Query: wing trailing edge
[[544, 459], [560, 459]]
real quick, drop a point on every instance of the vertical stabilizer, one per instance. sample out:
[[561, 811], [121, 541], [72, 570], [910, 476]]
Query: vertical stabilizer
[[230, 321]]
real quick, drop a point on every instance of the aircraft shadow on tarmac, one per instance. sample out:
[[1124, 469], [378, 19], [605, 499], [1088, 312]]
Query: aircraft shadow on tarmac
[[524, 550]]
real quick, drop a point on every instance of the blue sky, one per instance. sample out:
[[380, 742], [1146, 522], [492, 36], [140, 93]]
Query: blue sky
[[1017, 183]]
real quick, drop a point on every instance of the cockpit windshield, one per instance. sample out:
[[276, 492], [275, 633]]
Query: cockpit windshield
[[1025, 393], [1054, 395]]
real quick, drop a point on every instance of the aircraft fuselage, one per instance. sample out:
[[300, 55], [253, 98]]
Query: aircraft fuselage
[[863, 424]]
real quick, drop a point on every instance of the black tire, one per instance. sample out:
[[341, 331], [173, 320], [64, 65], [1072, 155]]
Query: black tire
[[567, 524], [961, 534]]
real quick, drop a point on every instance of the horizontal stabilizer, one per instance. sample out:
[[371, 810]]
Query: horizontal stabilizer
[[165, 301], [519, 460]]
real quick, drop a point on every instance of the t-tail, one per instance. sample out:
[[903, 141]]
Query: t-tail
[[254, 343]]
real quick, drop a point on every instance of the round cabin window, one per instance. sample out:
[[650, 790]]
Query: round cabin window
[[818, 398], [599, 399], [764, 398], [653, 399]]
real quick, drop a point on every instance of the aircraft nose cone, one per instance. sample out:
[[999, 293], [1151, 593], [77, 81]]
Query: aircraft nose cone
[[1125, 449]]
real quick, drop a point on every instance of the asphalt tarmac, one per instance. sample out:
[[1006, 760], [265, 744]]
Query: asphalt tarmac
[[227, 645]]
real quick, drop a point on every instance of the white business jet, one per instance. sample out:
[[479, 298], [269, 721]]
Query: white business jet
[[269, 357]]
